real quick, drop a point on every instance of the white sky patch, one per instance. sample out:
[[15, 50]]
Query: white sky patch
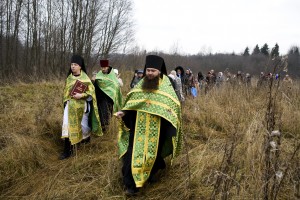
[[217, 25]]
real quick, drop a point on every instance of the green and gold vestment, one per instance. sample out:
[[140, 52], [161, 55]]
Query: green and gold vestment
[[77, 106], [151, 106], [109, 84]]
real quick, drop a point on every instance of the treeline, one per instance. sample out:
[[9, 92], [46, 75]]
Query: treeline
[[37, 37], [253, 63]]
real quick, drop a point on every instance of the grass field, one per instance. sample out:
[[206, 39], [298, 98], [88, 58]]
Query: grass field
[[226, 151]]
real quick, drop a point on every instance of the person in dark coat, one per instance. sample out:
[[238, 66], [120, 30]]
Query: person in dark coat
[[180, 73], [138, 75]]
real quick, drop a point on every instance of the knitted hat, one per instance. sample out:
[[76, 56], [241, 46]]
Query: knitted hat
[[139, 71]]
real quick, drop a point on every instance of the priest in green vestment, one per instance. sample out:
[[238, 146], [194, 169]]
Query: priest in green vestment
[[108, 93], [80, 108], [150, 126]]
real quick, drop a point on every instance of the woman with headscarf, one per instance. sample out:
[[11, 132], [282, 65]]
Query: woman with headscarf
[[220, 79]]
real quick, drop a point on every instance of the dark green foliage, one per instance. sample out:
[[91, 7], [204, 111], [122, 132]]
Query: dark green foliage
[[256, 50], [294, 51], [294, 61], [265, 50], [246, 52], [275, 51]]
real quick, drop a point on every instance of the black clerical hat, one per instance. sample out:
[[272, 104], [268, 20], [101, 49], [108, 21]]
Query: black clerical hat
[[156, 62]]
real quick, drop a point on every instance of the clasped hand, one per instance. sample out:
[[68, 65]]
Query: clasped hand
[[77, 96]]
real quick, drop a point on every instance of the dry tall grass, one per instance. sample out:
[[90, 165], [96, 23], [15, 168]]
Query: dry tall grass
[[224, 132]]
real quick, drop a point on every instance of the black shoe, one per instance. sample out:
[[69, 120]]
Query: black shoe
[[86, 140], [153, 179], [64, 156], [131, 192], [68, 150], [104, 128]]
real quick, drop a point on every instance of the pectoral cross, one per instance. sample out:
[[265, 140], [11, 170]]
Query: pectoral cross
[[148, 102]]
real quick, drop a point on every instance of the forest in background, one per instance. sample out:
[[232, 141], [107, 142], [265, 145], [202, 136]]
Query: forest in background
[[38, 37]]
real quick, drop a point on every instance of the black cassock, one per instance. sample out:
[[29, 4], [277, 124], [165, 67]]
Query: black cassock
[[105, 107], [166, 132]]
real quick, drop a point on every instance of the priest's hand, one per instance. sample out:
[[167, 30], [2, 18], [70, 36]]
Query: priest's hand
[[77, 96]]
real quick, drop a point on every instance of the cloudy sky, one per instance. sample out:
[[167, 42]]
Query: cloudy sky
[[216, 26]]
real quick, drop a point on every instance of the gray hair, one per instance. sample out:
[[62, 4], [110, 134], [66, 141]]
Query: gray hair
[[173, 72]]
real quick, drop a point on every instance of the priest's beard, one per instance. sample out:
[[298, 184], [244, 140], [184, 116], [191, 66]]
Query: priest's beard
[[150, 84]]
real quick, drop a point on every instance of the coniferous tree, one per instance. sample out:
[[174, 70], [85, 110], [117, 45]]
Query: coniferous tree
[[265, 50], [275, 51], [256, 50], [246, 52], [294, 61], [294, 50]]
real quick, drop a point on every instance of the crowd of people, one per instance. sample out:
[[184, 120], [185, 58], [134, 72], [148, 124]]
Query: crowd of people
[[149, 118]]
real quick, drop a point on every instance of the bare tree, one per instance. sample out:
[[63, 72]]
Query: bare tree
[[2, 9], [17, 14], [115, 29], [44, 33]]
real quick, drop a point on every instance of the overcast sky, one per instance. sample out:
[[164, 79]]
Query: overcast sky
[[216, 26]]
